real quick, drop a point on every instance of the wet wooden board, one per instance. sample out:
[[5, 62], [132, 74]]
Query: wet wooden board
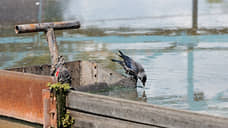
[[140, 113], [84, 120]]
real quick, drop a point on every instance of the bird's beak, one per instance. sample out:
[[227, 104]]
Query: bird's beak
[[144, 84]]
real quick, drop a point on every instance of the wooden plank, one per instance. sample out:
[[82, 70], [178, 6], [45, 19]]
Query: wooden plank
[[141, 112], [37, 69], [94, 77], [84, 120]]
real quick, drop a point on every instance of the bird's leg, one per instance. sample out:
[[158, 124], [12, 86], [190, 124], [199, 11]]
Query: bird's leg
[[134, 78]]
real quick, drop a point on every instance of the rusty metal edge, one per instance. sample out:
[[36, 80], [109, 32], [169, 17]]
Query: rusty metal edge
[[28, 76]]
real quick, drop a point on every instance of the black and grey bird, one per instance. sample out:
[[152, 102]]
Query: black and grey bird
[[132, 68], [61, 72]]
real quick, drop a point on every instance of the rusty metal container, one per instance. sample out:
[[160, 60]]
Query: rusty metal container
[[21, 95]]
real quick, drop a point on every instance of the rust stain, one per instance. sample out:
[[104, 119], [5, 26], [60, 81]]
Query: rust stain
[[27, 28], [32, 26], [60, 23], [21, 95], [50, 115]]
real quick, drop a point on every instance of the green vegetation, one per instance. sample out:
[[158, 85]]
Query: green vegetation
[[58, 87], [67, 120], [64, 120]]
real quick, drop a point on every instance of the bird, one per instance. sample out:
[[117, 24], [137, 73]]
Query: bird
[[60, 72], [132, 67]]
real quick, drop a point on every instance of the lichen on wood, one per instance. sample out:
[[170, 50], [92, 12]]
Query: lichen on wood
[[67, 120]]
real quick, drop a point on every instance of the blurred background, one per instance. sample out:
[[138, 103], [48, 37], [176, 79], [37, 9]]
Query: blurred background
[[186, 69]]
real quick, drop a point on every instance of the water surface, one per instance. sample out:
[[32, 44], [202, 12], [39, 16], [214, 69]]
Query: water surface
[[185, 70]]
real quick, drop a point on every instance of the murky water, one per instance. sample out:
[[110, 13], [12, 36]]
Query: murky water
[[184, 71], [190, 74]]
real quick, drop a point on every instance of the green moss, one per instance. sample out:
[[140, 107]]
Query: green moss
[[67, 121], [58, 86]]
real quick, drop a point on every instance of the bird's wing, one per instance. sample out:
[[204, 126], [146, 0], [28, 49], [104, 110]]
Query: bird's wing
[[131, 65], [64, 76], [139, 67]]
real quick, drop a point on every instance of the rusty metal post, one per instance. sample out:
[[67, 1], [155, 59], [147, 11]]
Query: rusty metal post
[[53, 48], [49, 109], [43, 27], [49, 29], [194, 15]]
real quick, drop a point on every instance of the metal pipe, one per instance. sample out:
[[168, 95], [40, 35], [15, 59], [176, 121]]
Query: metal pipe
[[53, 48], [194, 15], [39, 27]]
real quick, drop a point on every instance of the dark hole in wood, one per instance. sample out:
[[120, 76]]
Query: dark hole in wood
[[95, 75], [53, 115]]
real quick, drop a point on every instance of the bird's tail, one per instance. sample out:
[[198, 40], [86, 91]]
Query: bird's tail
[[118, 61], [121, 54]]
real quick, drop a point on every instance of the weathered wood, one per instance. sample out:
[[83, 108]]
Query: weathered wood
[[83, 75], [36, 69], [142, 113], [94, 74], [84, 120]]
